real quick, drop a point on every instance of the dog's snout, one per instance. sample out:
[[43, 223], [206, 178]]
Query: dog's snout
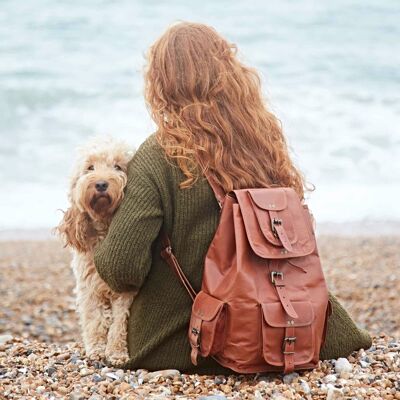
[[101, 186]]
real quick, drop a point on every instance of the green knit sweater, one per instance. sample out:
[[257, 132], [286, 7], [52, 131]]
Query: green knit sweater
[[129, 258]]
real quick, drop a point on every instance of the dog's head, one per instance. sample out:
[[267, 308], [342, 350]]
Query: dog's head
[[96, 190], [97, 185]]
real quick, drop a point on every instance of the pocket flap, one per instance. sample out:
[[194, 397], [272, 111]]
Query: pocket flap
[[206, 307], [275, 201], [275, 315], [295, 237]]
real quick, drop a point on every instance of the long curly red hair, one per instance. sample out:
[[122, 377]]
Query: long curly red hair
[[210, 112]]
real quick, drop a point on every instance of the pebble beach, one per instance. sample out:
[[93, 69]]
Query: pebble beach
[[41, 355]]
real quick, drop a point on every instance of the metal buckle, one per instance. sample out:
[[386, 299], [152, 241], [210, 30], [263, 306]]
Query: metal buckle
[[275, 221], [168, 250], [290, 339], [275, 274], [196, 332]]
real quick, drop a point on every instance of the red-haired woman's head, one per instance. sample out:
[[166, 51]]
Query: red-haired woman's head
[[209, 110]]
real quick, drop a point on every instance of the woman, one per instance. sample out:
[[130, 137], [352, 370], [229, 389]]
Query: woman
[[209, 111]]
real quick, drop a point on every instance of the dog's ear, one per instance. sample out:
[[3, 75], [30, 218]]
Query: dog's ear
[[76, 229]]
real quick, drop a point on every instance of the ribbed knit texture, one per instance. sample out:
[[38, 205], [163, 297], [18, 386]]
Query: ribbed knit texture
[[129, 258]]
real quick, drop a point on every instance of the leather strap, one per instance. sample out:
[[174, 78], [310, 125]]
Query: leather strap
[[219, 193], [194, 354], [168, 255], [288, 349], [194, 338], [278, 280], [278, 228]]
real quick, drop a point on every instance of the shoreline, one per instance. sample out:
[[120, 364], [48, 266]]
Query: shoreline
[[364, 228]]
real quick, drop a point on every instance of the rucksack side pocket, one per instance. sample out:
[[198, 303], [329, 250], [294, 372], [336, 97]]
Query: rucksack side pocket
[[207, 325], [275, 326]]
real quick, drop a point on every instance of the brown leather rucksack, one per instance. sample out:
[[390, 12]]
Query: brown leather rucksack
[[263, 304]]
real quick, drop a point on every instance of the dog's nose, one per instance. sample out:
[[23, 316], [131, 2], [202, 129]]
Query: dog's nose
[[101, 186]]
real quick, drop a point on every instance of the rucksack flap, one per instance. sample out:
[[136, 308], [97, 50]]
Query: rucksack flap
[[276, 222]]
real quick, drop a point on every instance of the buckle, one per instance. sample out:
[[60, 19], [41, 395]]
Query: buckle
[[196, 332], [286, 340], [275, 221], [275, 274], [168, 250]]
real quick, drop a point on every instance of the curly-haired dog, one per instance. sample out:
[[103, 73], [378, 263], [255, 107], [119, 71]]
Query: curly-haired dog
[[96, 190]]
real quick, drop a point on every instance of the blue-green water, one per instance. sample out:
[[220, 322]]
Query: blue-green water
[[331, 72]]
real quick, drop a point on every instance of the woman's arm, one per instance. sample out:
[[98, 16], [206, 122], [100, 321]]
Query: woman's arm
[[123, 259]]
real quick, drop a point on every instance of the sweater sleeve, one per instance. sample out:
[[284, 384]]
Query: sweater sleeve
[[123, 259]]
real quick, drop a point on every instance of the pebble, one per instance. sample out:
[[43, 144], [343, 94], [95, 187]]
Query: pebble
[[278, 396], [342, 365], [97, 378], [329, 378], [40, 389], [124, 386], [226, 389], [50, 370], [364, 364], [104, 370], [62, 357], [219, 379], [258, 395], [155, 375], [334, 394], [112, 375], [95, 397], [76, 396], [5, 338], [305, 387], [290, 378], [62, 390], [213, 397], [264, 378], [32, 357], [120, 373], [85, 372]]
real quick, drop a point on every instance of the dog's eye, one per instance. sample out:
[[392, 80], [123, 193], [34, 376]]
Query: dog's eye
[[117, 167], [90, 168]]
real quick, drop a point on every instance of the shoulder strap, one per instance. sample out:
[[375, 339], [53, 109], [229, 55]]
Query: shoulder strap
[[169, 257], [219, 193], [166, 251]]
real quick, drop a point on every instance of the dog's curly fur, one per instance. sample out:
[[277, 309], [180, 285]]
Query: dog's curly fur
[[103, 313]]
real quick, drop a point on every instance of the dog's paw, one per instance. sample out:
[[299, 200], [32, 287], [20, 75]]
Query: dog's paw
[[96, 353], [117, 358]]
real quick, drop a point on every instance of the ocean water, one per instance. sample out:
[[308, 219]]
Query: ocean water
[[330, 71]]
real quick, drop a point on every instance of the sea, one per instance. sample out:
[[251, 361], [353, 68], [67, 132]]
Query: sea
[[330, 70]]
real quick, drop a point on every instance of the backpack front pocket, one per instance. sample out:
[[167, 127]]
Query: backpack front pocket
[[275, 327], [207, 324]]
